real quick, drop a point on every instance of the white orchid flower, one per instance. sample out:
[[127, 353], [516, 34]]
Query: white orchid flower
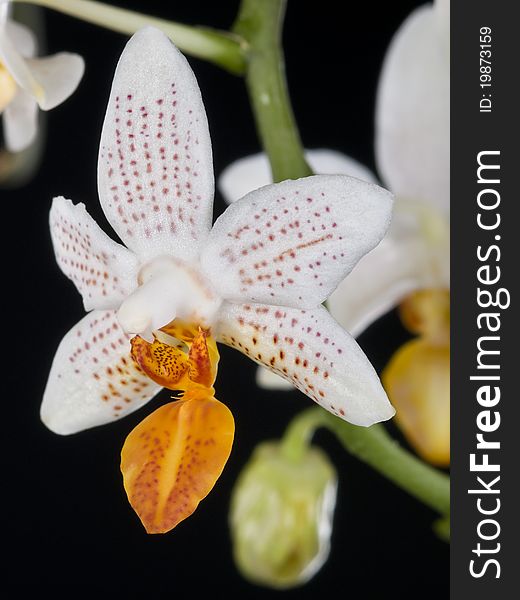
[[413, 153], [255, 281], [413, 157], [27, 82]]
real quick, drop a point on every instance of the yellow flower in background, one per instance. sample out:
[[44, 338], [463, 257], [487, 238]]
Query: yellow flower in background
[[417, 378]]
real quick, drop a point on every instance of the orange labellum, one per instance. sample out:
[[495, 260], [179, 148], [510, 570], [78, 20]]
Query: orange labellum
[[166, 365], [173, 458], [171, 366], [203, 358]]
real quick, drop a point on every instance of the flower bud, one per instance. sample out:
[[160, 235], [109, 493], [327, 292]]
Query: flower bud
[[281, 515]]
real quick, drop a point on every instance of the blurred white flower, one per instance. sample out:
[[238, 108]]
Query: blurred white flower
[[27, 82]]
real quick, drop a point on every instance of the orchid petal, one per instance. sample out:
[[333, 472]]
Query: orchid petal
[[292, 243], [329, 162], [174, 368], [402, 263], [253, 172], [50, 80], [380, 280], [15, 62], [20, 122], [203, 357], [442, 14], [57, 75], [413, 112], [269, 380], [173, 458], [22, 38], [155, 172], [5, 10], [165, 364], [93, 379], [104, 272], [312, 351]]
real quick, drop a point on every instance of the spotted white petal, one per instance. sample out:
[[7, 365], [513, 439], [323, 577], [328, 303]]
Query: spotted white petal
[[312, 351], [291, 243], [253, 172], [20, 121], [93, 379], [380, 280], [410, 257], [413, 112], [104, 272], [57, 76], [23, 38], [155, 171]]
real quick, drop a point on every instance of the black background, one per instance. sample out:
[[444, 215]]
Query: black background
[[73, 530]]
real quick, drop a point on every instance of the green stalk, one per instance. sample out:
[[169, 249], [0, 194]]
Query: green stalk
[[298, 434], [222, 48], [375, 447], [260, 23]]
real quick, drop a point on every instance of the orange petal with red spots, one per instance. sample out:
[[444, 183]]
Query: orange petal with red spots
[[166, 365], [203, 359], [171, 460]]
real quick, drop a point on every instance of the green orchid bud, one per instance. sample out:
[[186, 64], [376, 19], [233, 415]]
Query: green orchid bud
[[281, 515]]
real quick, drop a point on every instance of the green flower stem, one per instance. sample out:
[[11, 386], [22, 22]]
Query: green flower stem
[[298, 434], [260, 23], [222, 48], [375, 447]]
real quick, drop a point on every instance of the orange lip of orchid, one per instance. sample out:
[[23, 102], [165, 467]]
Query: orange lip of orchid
[[173, 458]]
